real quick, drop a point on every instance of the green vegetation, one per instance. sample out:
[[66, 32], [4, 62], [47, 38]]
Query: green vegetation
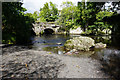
[[92, 17], [34, 15], [114, 20], [16, 26], [85, 15], [49, 13], [67, 16]]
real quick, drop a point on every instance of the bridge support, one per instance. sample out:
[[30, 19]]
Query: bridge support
[[45, 27]]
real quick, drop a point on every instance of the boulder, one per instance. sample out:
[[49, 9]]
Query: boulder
[[100, 45], [80, 43]]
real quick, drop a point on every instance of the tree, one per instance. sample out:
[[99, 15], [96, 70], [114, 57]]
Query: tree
[[16, 27], [35, 15], [67, 15], [87, 13], [82, 15], [114, 19], [54, 11], [48, 13]]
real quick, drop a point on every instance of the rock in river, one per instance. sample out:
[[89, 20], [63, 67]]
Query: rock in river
[[80, 43], [100, 45]]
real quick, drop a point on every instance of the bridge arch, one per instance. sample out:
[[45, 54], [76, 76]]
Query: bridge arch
[[47, 28], [48, 31]]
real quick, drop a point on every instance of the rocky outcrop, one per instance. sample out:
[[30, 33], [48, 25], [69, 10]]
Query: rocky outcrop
[[30, 64], [80, 43]]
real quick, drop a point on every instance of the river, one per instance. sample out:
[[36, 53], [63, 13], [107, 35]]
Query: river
[[108, 57], [55, 43]]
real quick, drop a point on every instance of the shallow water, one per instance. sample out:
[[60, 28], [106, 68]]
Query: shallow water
[[55, 43], [109, 57], [51, 43]]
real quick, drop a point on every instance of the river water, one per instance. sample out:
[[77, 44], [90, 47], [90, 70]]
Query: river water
[[108, 57], [55, 43]]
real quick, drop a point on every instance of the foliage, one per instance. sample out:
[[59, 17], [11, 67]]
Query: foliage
[[81, 15], [67, 15], [99, 25], [49, 13], [87, 15], [34, 16], [16, 27], [114, 20]]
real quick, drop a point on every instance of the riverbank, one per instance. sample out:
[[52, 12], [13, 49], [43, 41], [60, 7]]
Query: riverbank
[[42, 64], [31, 64]]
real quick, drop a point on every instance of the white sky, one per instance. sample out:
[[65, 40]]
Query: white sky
[[35, 5]]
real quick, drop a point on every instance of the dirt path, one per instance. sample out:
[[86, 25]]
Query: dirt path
[[31, 63]]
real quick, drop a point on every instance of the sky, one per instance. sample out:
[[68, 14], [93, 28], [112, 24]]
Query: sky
[[35, 5]]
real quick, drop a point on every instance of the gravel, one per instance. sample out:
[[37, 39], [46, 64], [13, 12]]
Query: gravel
[[32, 64], [12, 49], [25, 63]]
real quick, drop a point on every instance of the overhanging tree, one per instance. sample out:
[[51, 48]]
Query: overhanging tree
[[16, 27]]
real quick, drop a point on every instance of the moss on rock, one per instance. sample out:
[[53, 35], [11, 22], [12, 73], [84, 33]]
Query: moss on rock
[[80, 43]]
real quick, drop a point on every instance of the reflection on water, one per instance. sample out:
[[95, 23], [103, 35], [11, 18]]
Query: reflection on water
[[49, 41], [111, 41], [109, 57], [54, 43], [103, 39], [58, 50]]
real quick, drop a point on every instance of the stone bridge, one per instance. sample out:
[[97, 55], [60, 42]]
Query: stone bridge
[[48, 28]]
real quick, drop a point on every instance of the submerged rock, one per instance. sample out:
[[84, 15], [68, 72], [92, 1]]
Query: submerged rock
[[80, 43]]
